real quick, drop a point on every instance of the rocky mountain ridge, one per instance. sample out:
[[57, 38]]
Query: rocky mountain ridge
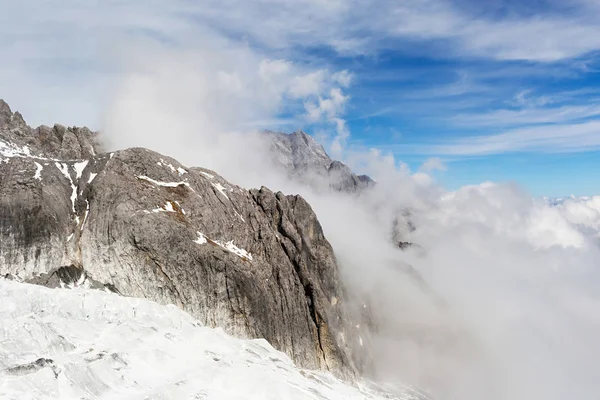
[[253, 262]]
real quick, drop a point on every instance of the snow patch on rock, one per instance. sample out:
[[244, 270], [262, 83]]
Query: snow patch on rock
[[179, 170], [79, 167], [229, 246], [201, 239], [92, 177], [10, 150], [38, 171], [167, 207], [165, 184], [64, 169], [220, 188]]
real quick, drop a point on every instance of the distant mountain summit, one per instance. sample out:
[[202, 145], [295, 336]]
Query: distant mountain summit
[[306, 160]]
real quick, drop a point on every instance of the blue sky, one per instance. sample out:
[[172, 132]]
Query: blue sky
[[418, 107], [499, 90]]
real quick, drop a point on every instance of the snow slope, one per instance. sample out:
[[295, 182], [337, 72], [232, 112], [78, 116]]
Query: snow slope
[[85, 344]]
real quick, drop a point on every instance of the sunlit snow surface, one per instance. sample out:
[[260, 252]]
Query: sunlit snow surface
[[229, 246], [38, 171], [159, 183], [100, 345], [12, 150]]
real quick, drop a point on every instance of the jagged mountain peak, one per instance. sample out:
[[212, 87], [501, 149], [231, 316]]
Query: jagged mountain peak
[[297, 150], [306, 160], [4, 108], [57, 142], [10, 119]]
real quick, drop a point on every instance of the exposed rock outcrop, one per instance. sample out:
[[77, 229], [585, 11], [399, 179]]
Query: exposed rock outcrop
[[306, 160], [253, 262]]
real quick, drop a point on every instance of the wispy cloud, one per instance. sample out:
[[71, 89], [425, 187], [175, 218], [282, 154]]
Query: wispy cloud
[[349, 27], [547, 139], [532, 116], [58, 61], [433, 164], [345, 26]]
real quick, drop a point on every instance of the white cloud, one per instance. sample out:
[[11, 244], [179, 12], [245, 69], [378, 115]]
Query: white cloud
[[340, 139], [516, 280], [433, 164], [525, 98], [270, 68], [328, 111], [528, 116], [327, 107], [347, 27], [344, 78], [508, 213], [274, 70], [230, 82], [423, 179], [567, 138], [542, 37], [583, 213], [51, 74], [311, 84]]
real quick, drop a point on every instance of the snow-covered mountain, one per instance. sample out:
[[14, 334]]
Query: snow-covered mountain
[[88, 344]]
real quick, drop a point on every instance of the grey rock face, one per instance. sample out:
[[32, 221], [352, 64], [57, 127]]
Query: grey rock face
[[307, 161], [253, 262], [298, 151]]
